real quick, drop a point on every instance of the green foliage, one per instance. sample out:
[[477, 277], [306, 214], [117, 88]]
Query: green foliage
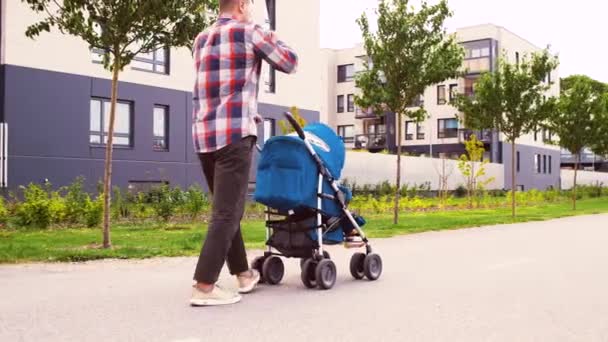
[[472, 167], [511, 100], [408, 52], [4, 211], [93, 213], [461, 191], [286, 127], [75, 201], [196, 201]]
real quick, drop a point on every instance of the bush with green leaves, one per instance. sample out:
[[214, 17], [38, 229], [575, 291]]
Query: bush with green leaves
[[4, 211], [93, 212], [75, 201], [195, 201]]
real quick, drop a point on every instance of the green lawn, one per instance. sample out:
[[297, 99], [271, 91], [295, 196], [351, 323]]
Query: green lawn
[[144, 241]]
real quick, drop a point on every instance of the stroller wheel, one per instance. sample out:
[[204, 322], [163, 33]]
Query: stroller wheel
[[273, 270], [357, 266], [257, 265], [325, 274], [303, 260], [372, 266], [308, 273]]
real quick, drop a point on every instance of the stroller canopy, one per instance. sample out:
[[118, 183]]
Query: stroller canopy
[[287, 176]]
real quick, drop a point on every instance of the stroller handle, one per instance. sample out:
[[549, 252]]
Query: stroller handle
[[294, 123]]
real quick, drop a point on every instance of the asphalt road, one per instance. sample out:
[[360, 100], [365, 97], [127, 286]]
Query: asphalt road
[[526, 282]]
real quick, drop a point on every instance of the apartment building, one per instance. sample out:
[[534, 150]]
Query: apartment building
[[54, 102], [442, 135]]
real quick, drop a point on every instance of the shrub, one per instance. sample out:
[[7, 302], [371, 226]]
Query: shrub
[[4, 213], [35, 209], [195, 201], [166, 201], [93, 212], [75, 201], [460, 191]]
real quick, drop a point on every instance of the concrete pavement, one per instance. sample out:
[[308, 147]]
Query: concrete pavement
[[544, 281]]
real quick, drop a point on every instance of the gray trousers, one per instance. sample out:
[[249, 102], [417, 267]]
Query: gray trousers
[[227, 174]]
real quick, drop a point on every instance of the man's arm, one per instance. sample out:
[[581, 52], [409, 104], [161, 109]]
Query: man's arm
[[272, 50]]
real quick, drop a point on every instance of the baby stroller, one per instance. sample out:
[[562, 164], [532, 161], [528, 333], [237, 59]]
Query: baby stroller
[[306, 207]]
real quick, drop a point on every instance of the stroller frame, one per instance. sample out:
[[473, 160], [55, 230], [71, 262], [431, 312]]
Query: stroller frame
[[318, 270]]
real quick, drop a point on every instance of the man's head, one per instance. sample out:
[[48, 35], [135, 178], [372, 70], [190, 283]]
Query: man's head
[[242, 10]]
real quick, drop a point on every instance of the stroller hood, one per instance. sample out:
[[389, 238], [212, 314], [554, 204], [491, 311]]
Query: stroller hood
[[287, 176]]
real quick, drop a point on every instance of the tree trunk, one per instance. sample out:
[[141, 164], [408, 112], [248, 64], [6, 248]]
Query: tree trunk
[[107, 184], [513, 178], [398, 191], [576, 162]]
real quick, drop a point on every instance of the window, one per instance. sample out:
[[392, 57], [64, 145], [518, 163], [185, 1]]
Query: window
[[518, 161], [453, 91], [544, 164], [155, 61], [347, 133], [516, 57], [447, 128], [351, 103], [537, 163], [535, 135], [419, 132], [441, 95], [340, 107], [409, 130], [269, 129], [346, 73], [100, 122], [550, 164], [418, 102], [161, 128]]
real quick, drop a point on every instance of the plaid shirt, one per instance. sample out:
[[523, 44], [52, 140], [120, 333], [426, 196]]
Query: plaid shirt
[[228, 58]]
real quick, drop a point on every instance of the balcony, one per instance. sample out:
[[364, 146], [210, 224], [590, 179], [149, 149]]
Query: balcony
[[484, 136], [374, 142], [364, 113]]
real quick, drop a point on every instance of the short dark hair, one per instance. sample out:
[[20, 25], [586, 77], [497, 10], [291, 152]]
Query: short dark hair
[[227, 4]]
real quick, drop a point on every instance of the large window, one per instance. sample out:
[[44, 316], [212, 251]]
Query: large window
[[340, 104], [544, 163], [538, 163], [518, 161], [155, 61], [453, 92], [441, 95], [550, 164], [100, 122], [347, 133], [346, 73], [161, 128], [351, 103], [420, 132], [447, 128], [410, 127]]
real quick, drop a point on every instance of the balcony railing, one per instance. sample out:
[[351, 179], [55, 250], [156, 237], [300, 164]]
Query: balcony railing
[[372, 142], [364, 113], [484, 136]]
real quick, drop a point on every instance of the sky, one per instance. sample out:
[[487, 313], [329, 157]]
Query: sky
[[577, 31]]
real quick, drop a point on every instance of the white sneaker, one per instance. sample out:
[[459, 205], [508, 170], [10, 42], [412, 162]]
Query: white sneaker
[[217, 296], [247, 284]]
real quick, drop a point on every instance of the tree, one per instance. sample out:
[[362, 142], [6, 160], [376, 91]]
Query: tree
[[472, 167], [123, 29], [578, 118], [511, 100], [409, 52], [286, 127]]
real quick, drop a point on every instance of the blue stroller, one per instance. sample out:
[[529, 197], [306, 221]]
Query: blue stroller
[[306, 208]]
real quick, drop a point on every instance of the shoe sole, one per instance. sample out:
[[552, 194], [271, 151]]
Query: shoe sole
[[248, 289], [214, 302]]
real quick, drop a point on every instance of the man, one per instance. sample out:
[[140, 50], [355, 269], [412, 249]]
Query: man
[[228, 58]]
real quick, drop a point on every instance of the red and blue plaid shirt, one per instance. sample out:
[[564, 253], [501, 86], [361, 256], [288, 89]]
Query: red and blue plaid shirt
[[228, 58]]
